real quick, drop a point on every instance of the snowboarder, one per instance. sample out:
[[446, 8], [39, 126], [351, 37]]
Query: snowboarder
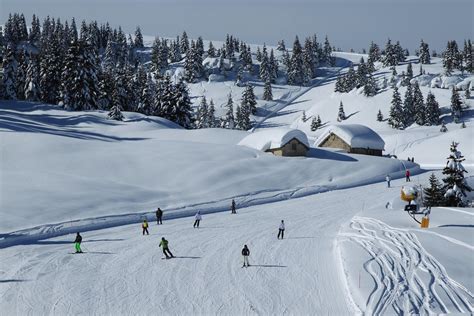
[[77, 243], [166, 250], [232, 207], [246, 254], [145, 227], [407, 175], [281, 230], [159, 215], [197, 218], [388, 179]]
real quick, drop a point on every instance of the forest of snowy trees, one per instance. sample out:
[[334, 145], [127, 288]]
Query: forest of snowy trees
[[98, 67]]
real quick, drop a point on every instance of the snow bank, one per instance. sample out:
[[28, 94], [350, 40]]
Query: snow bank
[[355, 135], [273, 138]]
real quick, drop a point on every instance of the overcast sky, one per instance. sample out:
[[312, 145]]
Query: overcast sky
[[348, 23]]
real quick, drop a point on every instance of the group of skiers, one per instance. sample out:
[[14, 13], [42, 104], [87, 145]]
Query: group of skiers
[[164, 244], [407, 178]]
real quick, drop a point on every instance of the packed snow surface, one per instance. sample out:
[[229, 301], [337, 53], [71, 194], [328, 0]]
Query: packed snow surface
[[264, 140], [355, 135]]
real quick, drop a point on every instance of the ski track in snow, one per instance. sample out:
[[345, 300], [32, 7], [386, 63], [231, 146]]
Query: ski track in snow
[[407, 278]]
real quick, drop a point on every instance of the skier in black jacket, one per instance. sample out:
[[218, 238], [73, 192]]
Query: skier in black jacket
[[77, 243], [246, 254], [159, 215]]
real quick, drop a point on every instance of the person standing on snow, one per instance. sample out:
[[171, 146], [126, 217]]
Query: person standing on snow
[[407, 175], [281, 230], [232, 207], [197, 218], [77, 243], [246, 254], [166, 250], [388, 179], [159, 215], [145, 227]]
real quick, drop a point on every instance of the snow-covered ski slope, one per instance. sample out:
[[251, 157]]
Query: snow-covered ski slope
[[311, 271], [63, 167]]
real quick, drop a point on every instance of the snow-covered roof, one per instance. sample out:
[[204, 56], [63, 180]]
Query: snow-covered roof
[[355, 135], [273, 138]]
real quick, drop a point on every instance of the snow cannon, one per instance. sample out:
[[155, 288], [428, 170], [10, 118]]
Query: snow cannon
[[409, 194]]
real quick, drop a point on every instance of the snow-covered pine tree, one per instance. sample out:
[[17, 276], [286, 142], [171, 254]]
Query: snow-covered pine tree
[[267, 91], [106, 90], [10, 66], [189, 65], [295, 71], [456, 105], [120, 93], [340, 84], [315, 123], [400, 52], [211, 118], [242, 118], [396, 116], [211, 51], [308, 61], [408, 107], [32, 91], [272, 64], [361, 73], [264, 72], [327, 52], [390, 57], [303, 117], [433, 195], [181, 111], [379, 116], [138, 42], [281, 46], [115, 113], [419, 105], [184, 44], [200, 47], [202, 114], [238, 117], [35, 32], [455, 186], [341, 116], [409, 72], [432, 110], [451, 57], [350, 79], [374, 55], [228, 121], [370, 87], [20, 79], [424, 57], [147, 91], [467, 56], [258, 54], [248, 100]]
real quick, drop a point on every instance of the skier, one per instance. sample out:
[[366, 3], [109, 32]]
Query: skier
[[232, 207], [77, 243], [145, 227], [166, 250], [281, 230], [159, 215], [388, 179], [246, 254], [198, 218], [407, 175]]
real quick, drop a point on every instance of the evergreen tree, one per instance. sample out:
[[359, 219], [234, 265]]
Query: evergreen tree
[[303, 117], [456, 105], [451, 57], [467, 56], [361, 73], [249, 103], [35, 33], [409, 72], [408, 107], [286, 60], [379, 116], [258, 54], [146, 91], [115, 113], [399, 52], [228, 121], [396, 117], [20, 79], [455, 185], [295, 71], [202, 114], [433, 195], [272, 64], [327, 51], [267, 91], [341, 116], [106, 90], [424, 57], [315, 123], [31, 89], [120, 93], [211, 118], [138, 42], [10, 66], [374, 55], [432, 110], [265, 71], [211, 51], [370, 88], [242, 119], [281, 46], [390, 55], [184, 44], [419, 105], [181, 111]]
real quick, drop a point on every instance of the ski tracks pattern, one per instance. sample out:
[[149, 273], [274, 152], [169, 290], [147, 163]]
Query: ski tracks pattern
[[407, 278]]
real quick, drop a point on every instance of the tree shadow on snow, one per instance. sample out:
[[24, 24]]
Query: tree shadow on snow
[[456, 225], [268, 266], [187, 257], [301, 238], [13, 281]]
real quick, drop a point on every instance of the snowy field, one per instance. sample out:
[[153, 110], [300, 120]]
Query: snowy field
[[344, 252]]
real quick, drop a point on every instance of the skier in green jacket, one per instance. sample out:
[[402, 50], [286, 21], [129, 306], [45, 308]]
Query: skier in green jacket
[[166, 250], [77, 243]]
